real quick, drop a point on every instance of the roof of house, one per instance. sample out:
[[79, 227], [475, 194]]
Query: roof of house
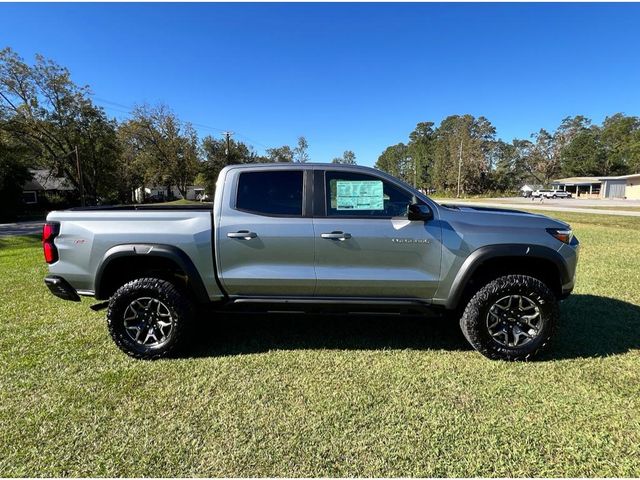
[[590, 180], [577, 180], [43, 180], [622, 177]]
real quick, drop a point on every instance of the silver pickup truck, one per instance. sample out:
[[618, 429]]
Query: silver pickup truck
[[302, 236]]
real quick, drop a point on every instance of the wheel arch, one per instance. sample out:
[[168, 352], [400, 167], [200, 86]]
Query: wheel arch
[[492, 261], [125, 262]]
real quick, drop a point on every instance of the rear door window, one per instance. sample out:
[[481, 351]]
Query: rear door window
[[271, 193]]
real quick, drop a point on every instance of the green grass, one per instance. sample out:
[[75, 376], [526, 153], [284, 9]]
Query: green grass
[[616, 224], [324, 395], [626, 208]]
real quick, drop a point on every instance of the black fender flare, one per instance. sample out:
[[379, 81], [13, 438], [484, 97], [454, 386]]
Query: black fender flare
[[488, 252], [175, 254]]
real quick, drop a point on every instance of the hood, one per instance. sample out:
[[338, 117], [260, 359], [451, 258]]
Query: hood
[[498, 217]]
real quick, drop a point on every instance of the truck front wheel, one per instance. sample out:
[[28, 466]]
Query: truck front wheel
[[147, 318], [511, 318]]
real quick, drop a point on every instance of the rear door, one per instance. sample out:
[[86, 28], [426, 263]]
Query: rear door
[[264, 242], [365, 244]]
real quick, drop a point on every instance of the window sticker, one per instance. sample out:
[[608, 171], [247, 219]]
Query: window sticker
[[359, 195]]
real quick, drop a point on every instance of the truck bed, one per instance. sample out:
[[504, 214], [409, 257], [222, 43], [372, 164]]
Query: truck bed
[[89, 235], [203, 206]]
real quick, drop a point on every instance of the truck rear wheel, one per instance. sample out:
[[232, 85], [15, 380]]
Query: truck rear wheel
[[511, 318], [147, 318]]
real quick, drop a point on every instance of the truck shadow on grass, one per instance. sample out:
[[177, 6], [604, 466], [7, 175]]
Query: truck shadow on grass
[[593, 326], [241, 333], [590, 326]]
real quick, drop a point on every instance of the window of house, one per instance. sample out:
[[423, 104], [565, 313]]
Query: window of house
[[29, 198]]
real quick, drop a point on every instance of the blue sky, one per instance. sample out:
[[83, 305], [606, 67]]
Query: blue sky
[[347, 76]]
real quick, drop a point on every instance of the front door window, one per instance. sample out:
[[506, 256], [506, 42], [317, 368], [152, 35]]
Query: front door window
[[352, 194]]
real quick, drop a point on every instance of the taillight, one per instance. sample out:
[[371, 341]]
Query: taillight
[[50, 231]]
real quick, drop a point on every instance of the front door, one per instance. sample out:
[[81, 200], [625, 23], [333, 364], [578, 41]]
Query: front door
[[265, 242], [365, 244]]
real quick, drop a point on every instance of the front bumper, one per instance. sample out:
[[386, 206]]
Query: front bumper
[[61, 288], [570, 253]]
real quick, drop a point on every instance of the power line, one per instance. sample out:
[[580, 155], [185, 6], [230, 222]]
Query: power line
[[109, 102], [252, 141], [129, 109], [206, 127]]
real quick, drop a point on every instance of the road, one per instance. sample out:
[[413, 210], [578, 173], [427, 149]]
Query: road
[[20, 228]]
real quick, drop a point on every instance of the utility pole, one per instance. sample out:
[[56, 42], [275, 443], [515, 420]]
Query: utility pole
[[227, 136], [415, 172], [459, 167], [80, 179]]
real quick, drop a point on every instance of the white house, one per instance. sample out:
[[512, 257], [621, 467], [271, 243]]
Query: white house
[[527, 190], [194, 192]]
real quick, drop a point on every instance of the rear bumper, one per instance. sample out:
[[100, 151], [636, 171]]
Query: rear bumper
[[61, 288]]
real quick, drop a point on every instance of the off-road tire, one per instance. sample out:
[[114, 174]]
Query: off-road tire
[[179, 305], [474, 319]]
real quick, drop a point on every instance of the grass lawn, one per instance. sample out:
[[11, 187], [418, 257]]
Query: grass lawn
[[324, 396], [629, 208]]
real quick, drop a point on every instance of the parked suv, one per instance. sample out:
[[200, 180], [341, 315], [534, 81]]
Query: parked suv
[[551, 194], [560, 194], [321, 236]]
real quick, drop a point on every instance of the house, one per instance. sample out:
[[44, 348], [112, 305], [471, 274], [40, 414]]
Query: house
[[44, 183], [584, 187], [625, 186], [527, 190]]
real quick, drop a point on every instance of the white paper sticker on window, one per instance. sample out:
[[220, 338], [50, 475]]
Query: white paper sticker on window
[[359, 195]]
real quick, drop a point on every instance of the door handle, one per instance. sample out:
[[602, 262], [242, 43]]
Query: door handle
[[242, 234], [336, 236]]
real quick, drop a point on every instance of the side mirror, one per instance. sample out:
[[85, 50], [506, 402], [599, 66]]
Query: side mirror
[[419, 211]]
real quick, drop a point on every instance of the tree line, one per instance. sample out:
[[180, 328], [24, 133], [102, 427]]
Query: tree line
[[462, 154], [49, 122]]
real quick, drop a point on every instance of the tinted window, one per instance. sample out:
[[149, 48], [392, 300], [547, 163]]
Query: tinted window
[[270, 193], [356, 194]]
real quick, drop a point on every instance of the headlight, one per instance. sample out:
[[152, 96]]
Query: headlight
[[563, 234]]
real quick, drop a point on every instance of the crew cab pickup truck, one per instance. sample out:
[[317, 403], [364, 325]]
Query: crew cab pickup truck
[[314, 236]]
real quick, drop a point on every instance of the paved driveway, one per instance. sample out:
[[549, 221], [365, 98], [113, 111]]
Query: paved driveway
[[20, 228]]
